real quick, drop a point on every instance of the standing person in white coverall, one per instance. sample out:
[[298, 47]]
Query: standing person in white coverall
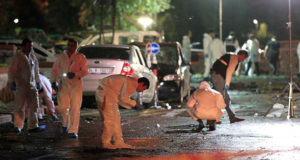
[[113, 91], [207, 39], [23, 76], [46, 93], [186, 46], [298, 53], [206, 103], [252, 45], [217, 49], [231, 43], [68, 71]]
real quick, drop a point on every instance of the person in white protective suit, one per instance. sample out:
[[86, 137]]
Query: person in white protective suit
[[46, 94], [298, 54], [207, 39], [217, 49], [68, 71], [252, 45], [186, 46], [113, 91], [23, 76], [231, 44], [206, 104]]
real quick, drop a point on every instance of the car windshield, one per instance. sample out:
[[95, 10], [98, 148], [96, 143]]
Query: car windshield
[[167, 55], [105, 53]]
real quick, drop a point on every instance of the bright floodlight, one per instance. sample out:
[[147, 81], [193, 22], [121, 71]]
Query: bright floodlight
[[255, 21], [16, 20], [145, 21]]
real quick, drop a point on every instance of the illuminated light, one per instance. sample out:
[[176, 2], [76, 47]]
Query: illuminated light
[[255, 21], [16, 20], [64, 74], [145, 22]]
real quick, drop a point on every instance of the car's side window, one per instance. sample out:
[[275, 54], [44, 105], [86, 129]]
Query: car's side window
[[140, 57], [135, 58]]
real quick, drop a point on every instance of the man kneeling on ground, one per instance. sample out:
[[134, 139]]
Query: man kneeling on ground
[[206, 103]]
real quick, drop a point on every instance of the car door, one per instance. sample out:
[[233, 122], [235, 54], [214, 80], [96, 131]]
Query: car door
[[139, 66], [185, 72]]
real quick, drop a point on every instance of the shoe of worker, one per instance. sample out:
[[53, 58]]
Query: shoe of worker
[[108, 146], [73, 135], [123, 146], [37, 129], [235, 119]]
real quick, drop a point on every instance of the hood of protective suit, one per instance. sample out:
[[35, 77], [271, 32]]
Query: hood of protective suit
[[204, 85]]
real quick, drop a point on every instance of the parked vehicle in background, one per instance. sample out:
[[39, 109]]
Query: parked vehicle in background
[[9, 47], [124, 38], [173, 71], [106, 60]]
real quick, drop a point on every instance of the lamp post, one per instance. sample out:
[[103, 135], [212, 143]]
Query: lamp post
[[221, 19], [291, 108], [145, 22], [291, 83]]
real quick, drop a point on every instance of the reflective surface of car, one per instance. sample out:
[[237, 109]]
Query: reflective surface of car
[[173, 72], [105, 60]]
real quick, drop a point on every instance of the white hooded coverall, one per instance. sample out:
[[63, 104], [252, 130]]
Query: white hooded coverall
[[252, 45], [298, 54], [217, 49], [47, 94], [113, 91], [207, 54], [24, 71], [206, 103], [186, 46], [70, 90]]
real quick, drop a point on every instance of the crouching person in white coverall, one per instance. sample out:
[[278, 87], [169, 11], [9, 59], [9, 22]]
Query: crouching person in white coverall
[[113, 91], [68, 71], [46, 94], [23, 76], [206, 104]]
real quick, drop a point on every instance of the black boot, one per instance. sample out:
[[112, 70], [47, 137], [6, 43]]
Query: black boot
[[200, 125], [211, 125]]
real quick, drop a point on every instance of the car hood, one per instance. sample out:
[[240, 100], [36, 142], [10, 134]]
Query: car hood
[[166, 70]]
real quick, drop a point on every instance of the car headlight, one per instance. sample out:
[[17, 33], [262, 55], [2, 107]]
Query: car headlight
[[170, 77]]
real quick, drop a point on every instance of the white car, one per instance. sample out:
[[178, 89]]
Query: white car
[[105, 60]]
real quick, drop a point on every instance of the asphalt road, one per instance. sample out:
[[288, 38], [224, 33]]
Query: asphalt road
[[169, 134]]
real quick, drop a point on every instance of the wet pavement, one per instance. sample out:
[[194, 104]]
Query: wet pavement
[[170, 134]]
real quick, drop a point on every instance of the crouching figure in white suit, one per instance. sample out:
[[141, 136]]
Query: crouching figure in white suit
[[206, 104]]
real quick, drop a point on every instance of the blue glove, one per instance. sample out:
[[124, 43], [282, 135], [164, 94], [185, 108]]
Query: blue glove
[[226, 87], [54, 86], [13, 86], [39, 87], [70, 75]]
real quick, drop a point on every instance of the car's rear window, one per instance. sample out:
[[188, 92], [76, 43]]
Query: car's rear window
[[105, 53], [167, 55]]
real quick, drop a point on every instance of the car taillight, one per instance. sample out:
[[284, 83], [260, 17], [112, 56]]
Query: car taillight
[[126, 69]]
